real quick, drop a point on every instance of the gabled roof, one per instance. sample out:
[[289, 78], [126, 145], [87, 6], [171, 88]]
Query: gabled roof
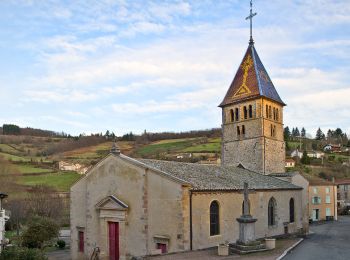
[[111, 202], [251, 81], [214, 177]]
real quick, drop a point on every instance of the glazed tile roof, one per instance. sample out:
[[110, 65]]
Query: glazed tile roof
[[214, 177], [251, 81]]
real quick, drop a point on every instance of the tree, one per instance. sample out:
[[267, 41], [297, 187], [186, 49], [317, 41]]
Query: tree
[[44, 202], [320, 135], [286, 133], [303, 132], [305, 159], [39, 231], [9, 129], [297, 133]]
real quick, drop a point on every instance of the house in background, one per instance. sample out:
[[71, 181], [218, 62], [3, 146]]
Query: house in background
[[322, 199], [290, 163], [3, 219], [311, 154], [332, 148], [343, 196]]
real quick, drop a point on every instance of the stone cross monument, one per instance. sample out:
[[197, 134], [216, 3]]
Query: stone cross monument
[[246, 221]]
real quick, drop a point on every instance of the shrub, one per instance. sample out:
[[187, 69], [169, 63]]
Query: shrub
[[22, 253], [39, 231], [61, 244]]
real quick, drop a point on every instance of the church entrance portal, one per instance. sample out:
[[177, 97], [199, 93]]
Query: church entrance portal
[[113, 235]]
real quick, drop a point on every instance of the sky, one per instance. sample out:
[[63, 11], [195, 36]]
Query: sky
[[88, 66]]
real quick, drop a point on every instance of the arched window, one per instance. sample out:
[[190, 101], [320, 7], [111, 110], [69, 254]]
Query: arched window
[[291, 210], [238, 131], [232, 115], [214, 218], [245, 112], [250, 111], [272, 212], [237, 114], [243, 130]]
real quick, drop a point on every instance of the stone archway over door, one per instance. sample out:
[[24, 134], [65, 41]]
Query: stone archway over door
[[113, 238]]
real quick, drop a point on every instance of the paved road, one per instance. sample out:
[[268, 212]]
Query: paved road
[[329, 241]]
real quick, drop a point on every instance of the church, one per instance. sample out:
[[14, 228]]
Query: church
[[126, 207]]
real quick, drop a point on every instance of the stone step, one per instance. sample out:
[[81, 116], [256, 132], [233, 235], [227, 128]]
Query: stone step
[[248, 247], [243, 252]]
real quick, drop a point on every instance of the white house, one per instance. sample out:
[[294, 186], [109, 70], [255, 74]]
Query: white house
[[3, 219]]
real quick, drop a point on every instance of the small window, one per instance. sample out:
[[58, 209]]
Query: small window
[[291, 210], [271, 130], [238, 131], [274, 113], [272, 212], [328, 212], [315, 190], [277, 114], [250, 111], [214, 218], [267, 111], [270, 112], [243, 130], [327, 190], [328, 199], [232, 116], [245, 112], [81, 241], [237, 114]]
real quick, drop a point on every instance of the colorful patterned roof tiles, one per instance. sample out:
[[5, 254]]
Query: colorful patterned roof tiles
[[251, 81]]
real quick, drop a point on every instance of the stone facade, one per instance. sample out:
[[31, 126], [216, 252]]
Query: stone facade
[[254, 139], [157, 210]]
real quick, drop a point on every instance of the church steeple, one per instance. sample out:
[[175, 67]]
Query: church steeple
[[252, 117]]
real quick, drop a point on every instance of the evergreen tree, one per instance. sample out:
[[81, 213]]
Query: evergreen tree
[[286, 133], [303, 132], [297, 133], [320, 135], [305, 159]]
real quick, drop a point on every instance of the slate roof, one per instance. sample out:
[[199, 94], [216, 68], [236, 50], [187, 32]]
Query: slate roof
[[258, 81], [214, 177]]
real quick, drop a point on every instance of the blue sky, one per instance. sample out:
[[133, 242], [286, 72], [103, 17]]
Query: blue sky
[[89, 66]]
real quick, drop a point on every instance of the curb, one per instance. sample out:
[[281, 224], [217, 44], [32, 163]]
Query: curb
[[289, 249]]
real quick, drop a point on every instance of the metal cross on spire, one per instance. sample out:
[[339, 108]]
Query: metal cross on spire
[[250, 17]]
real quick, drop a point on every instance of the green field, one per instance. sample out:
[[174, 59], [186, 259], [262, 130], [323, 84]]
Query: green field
[[61, 181], [204, 148], [163, 147], [14, 158], [28, 168]]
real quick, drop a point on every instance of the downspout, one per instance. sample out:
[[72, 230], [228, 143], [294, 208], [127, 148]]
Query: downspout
[[191, 221]]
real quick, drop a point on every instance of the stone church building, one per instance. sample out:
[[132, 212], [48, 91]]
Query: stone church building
[[125, 207]]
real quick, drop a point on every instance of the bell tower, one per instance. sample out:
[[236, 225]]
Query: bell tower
[[252, 117]]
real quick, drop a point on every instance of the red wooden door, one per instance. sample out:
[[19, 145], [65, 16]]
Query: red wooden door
[[113, 234], [81, 241]]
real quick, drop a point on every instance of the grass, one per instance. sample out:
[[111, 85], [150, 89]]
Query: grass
[[28, 168], [162, 147], [61, 181], [8, 149], [14, 158], [211, 147]]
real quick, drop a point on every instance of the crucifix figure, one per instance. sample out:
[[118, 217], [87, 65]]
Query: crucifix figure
[[246, 209], [250, 17]]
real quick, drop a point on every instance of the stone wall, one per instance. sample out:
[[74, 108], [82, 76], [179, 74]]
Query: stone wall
[[231, 208], [259, 149]]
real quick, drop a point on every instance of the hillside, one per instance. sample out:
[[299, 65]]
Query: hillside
[[34, 160]]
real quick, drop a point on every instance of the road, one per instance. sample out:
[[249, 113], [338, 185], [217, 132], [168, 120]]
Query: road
[[329, 241]]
